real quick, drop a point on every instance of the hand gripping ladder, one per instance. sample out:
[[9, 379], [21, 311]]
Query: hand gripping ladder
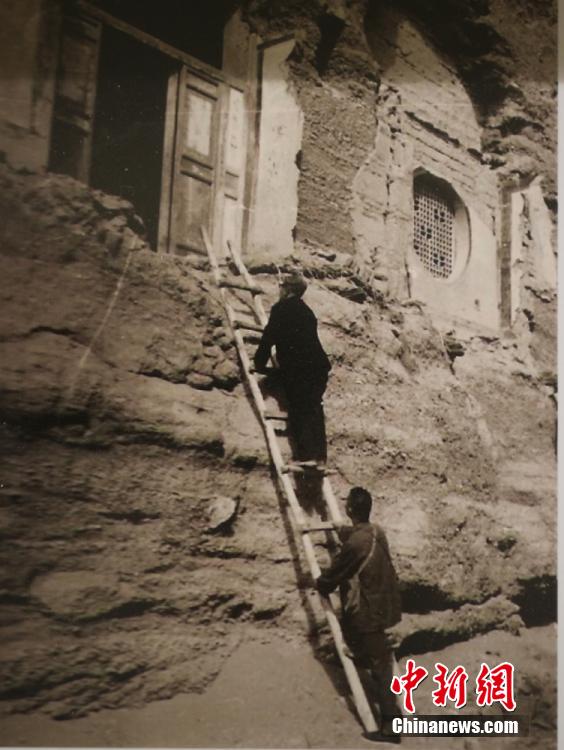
[[244, 282]]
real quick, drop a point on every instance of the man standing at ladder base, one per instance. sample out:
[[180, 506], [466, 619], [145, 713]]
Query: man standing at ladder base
[[304, 367], [370, 596]]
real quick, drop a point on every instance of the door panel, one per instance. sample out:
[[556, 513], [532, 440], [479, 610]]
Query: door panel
[[233, 177], [191, 211], [199, 132], [236, 135], [205, 135], [75, 96], [194, 105]]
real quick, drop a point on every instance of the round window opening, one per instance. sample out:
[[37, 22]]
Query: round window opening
[[440, 226]]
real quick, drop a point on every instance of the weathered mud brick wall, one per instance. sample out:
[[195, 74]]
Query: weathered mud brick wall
[[329, 81]]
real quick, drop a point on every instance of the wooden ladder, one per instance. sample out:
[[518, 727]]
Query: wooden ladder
[[284, 470]]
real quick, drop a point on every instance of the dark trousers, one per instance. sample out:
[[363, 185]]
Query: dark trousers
[[306, 418], [372, 654]]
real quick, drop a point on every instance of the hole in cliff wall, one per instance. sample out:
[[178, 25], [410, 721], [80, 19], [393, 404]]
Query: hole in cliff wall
[[238, 610], [530, 320], [537, 601], [487, 86], [517, 124], [330, 28]]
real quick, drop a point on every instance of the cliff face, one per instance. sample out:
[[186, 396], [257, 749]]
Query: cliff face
[[143, 535], [144, 538]]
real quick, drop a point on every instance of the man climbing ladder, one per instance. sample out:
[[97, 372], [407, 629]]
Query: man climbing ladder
[[303, 367], [370, 601]]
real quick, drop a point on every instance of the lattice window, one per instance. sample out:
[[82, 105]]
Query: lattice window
[[434, 228]]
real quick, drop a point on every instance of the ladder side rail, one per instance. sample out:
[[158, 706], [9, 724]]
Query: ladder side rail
[[331, 501], [358, 693], [239, 341], [357, 690], [241, 267], [216, 271], [258, 306], [273, 446]]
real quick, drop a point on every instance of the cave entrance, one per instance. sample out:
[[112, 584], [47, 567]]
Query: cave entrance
[[129, 117], [145, 120]]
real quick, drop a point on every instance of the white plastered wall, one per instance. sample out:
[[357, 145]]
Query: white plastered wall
[[280, 137]]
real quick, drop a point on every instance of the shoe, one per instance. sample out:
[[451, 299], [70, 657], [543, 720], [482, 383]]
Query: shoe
[[394, 739], [387, 731]]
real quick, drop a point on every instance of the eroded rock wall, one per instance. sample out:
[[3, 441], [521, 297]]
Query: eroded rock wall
[[127, 433], [385, 89]]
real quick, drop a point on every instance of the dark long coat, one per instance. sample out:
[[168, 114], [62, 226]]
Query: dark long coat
[[292, 329]]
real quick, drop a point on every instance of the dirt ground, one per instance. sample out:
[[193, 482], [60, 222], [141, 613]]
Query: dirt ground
[[273, 693]]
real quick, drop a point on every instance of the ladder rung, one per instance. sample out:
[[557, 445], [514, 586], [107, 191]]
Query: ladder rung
[[248, 326], [321, 526], [306, 466], [240, 285], [251, 337], [275, 415], [266, 371]]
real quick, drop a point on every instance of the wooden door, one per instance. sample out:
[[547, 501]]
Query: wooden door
[[75, 95], [190, 161], [203, 164]]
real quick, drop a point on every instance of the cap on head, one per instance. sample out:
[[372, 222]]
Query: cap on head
[[294, 283], [359, 503]]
